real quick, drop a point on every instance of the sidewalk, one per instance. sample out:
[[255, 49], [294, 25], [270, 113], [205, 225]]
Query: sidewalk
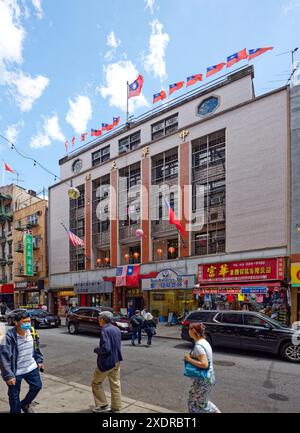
[[61, 396], [162, 331]]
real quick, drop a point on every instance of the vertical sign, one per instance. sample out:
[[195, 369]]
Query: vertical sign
[[28, 254]]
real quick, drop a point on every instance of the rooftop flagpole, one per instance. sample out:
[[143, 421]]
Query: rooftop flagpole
[[127, 109]]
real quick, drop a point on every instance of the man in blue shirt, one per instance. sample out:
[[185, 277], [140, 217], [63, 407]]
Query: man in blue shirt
[[108, 365]]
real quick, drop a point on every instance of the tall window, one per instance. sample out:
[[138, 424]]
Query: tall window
[[129, 196], [164, 127], [77, 226], [101, 156], [101, 221], [130, 142], [209, 172], [165, 166]]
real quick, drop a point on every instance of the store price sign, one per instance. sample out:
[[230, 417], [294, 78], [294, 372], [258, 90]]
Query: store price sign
[[28, 254]]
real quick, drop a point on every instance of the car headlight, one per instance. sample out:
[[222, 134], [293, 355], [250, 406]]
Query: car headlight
[[122, 325]]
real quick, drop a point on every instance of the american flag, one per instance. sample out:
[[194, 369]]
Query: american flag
[[75, 240]]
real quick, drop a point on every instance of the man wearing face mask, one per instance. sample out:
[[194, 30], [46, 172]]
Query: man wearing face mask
[[21, 358]]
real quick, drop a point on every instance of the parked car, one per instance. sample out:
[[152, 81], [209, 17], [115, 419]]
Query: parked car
[[245, 330], [85, 319], [39, 318]]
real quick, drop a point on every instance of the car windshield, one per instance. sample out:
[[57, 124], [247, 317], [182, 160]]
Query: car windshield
[[273, 321]]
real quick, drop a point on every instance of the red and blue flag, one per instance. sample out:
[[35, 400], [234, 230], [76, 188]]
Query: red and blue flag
[[237, 57], [173, 219], [135, 88], [214, 69], [159, 96], [128, 276], [96, 132], [107, 127], [193, 79], [175, 86], [116, 121], [258, 52]]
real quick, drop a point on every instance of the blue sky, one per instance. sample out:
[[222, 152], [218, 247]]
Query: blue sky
[[63, 63]]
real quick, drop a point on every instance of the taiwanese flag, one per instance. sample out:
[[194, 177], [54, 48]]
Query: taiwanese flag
[[73, 141], [214, 69], [135, 88], [159, 96], [258, 52], [107, 127], [116, 121], [175, 86], [193, 79], [236, 57], [96, 132], [173, 219], [67, 145], [127, 276], [83, 136], [7, 167]]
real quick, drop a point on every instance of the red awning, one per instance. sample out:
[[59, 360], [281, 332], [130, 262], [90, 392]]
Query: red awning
[[7, 289]]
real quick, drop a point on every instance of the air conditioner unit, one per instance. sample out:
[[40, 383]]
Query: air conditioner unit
[[214, 216], [216, 200]]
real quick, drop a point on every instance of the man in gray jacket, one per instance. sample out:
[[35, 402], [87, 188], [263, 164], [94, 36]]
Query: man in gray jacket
[[21, 358]]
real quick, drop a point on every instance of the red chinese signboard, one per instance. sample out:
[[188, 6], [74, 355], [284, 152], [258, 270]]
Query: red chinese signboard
[[249, 270]]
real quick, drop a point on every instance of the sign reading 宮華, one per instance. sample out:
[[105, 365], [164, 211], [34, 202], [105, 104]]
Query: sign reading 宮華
[[28, 254]]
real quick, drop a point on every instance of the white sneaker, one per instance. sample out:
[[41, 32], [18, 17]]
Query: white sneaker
[[102, 409]]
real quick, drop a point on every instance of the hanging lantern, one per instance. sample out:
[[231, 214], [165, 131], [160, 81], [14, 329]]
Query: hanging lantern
[[73, 193], [171, 250], [107, 259], [159, 251], [136, 255], [126, 256], [99, 261], [139, 233]]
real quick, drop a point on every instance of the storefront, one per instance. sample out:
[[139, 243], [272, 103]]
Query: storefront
[[29, 294], [169, 292], [295, 292], [7, 295], [256, 285], [94, 294]]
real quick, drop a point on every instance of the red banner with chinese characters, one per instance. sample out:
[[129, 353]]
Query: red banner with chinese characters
[[248, 270]]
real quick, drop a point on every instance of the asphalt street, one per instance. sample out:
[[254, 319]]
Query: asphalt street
[[246, 381]]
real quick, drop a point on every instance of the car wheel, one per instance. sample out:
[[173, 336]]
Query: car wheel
[[290, 352], [10, 321], [72, 328]]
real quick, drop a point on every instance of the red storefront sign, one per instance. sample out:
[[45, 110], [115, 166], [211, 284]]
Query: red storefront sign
[[248, 270], [6, 289]]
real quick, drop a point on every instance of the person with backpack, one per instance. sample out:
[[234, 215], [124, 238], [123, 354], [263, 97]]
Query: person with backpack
[[21, 358], [137, 323], [149, 326]]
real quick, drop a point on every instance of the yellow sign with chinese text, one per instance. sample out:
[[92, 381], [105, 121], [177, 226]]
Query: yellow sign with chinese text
[[295, 274]]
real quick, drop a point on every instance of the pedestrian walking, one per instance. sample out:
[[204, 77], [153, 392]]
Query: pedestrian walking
[[21, 358], [130, 311], [149, 326], [108, 365], [143, 313], [137, 323], [201, 357]]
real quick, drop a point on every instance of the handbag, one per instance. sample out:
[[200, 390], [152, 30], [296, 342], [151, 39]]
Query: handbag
[[191, 370]]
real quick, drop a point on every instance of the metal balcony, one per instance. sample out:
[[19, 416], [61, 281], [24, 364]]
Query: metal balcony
[[127, 233], [101, 239], [162, 228]]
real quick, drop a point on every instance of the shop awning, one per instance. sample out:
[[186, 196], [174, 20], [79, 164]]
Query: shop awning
[[236, 288], [6, 289]]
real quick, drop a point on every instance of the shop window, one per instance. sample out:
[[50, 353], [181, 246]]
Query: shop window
[[130, 142], [165, 127]]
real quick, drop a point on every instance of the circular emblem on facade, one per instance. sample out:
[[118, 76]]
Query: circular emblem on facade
[[77, 166], [208, 106]]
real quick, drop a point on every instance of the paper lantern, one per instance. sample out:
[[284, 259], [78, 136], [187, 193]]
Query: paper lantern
[[171, 250], [73, 193], [126, 256], [99, 261], [107, 259], [159, 251], [139, 233], [136, 255]]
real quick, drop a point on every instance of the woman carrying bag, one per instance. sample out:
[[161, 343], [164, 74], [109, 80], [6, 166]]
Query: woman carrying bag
[[149, 327], [199, 367]]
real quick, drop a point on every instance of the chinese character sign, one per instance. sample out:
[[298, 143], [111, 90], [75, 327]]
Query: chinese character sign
[[251, 270], [28, 255]]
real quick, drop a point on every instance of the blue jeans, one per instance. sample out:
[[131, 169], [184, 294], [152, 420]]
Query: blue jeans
[[35, 385], [136, 334]]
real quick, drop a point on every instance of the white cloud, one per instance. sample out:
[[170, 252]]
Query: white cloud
[[12, 34], [116, 76], [13, 131], [150, 5], [112, 40], [38, 8], [155, 60], [288, 7], [26, 89], [49, 132], [80, 113]]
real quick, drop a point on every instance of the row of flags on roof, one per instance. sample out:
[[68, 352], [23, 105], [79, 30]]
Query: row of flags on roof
[[134, 89]]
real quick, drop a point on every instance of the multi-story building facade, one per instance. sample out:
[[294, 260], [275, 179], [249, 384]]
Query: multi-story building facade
[[31, 290], [220, 146], [12, 198]]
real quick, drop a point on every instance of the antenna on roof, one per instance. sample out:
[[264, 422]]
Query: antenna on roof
[[292, 52], [17, 179]]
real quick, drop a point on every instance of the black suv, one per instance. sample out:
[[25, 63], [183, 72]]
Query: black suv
[[246, 330], [86, 319]]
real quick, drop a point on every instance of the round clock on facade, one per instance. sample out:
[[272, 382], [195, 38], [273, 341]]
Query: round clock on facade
[[208, 106], [77, 166]]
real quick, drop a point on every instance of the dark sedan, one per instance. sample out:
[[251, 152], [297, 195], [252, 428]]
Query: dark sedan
[[39, 318], [85, 319], [246, 330]]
